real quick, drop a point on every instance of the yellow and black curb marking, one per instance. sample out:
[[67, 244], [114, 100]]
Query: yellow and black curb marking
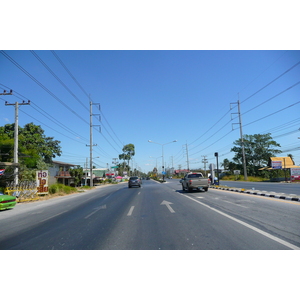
[[256, 192]]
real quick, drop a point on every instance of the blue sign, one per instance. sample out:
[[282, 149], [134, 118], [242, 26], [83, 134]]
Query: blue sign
[[276, 164], [164, 173]]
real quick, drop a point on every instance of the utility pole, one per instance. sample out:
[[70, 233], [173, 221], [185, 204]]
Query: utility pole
[[16, 136], [187, 157], [242, 139], [6, 93], [91, 140], [205, 161]]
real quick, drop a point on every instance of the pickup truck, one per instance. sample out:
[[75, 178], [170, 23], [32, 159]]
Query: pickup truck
[[195, 181]]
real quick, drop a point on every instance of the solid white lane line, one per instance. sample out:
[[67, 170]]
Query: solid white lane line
[[289, 245], [130, 211]]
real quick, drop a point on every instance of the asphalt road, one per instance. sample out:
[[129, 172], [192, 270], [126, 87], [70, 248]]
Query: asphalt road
[[276, 187], [153, 217]]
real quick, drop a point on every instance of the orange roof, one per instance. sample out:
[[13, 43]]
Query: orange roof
[[286, 162]]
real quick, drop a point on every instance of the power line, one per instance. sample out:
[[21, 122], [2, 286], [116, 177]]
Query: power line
[[211, 136], [47, 67], [287, 133], [292, 86], [41, 85], [52, 128], [273, 113], [52, 119], [272, 81], [213, 142], [210, 128], [57, 78], [76, 81], [46, 115], [283, 126], [68, 71], [35, 80]]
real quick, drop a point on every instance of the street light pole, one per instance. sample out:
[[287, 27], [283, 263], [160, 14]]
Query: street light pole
[[162, 148], [155, 161]]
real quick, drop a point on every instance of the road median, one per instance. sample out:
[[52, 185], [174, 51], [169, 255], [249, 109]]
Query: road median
[[258, 192]]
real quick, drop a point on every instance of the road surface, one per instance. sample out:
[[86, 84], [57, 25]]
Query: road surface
[[153, 217], [273, 187]]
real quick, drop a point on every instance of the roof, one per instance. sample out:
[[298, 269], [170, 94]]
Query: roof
[[286, 163], [8, 164], [97, 172], [62, 163]]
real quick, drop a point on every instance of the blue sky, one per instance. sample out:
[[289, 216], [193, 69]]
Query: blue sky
[[155, 95]]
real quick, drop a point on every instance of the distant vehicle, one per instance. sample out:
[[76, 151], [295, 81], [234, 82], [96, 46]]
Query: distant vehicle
[[7, 202], [193, 181], [134, 181], [147, 178]]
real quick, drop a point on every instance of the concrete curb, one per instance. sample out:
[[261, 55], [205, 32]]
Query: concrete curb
[[259, 193]]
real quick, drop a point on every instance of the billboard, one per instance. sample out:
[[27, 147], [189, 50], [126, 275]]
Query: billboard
[[42, 182], [295, 174], [277, 164]]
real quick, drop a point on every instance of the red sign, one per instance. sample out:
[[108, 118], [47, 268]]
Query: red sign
[[181, 171], [295, 174]]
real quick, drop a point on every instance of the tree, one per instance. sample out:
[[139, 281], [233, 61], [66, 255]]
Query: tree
[[229, 166], [77, 173], [128, 153], [34, 145], [258, 149], [122, 167]]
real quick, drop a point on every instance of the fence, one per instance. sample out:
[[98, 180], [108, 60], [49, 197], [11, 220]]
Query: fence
[[24, 191]]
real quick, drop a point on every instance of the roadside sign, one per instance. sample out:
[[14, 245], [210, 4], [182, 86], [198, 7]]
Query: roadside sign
[[277, 164], [295, 174], [236, 172], [42, 182]]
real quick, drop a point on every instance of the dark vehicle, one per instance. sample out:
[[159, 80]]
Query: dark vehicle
[[134, 181]]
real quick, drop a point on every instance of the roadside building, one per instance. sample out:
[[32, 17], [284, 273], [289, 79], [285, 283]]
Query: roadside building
[[98, 175], [292, 172], [59, 172]]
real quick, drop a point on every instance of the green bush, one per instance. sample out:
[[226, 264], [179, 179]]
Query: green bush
[[69, 189], [241, 177], [53, 189], [61, 188], [86, 187]]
